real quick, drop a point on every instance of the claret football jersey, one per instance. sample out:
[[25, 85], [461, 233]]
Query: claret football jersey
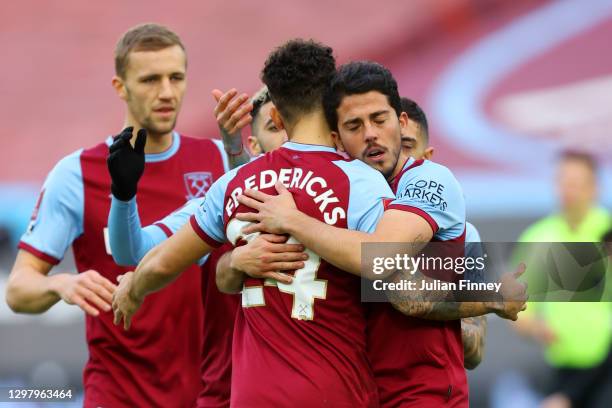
[[302, 344], [156, 363], [418, 362]]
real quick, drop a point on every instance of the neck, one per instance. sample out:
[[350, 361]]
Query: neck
[[575, 216], [311, 129], [401, 160], [156, 142]]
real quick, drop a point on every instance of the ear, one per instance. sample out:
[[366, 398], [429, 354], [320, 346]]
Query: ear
[[428, 153], [403, 120], [276, 118], [120, 88], [254, 146], [337, 141]]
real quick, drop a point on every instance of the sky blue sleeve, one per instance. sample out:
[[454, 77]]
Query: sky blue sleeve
[[208, 219], [223, 153], [471, 233], [368, 189], [57, 219], [433, 192], [173, 222], [129, 242]]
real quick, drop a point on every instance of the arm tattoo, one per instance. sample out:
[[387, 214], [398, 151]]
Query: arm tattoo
[[429, 304], [235, 161], [473, 334]]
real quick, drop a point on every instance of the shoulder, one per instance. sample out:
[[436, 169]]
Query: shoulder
[[541, 228], [196, 141], [201, 143], [429, 169], [63, 188], [97, 151], [68, 167], [471, 233], [356, 169], [359, 173], [428, 176], [602, 216], [365, 183], [220, 185]]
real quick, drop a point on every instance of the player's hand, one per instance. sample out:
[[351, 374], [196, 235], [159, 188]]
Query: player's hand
[[514, 294], [267, 255], [88, 290], [232, 114], [557, 400], [125, 305], [273, 211], [126, 163]]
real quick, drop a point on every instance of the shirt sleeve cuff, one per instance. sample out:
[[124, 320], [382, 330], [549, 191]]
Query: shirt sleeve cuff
[[164, 228], [408, 208], [123, 204], [39, 254], [203, 235]]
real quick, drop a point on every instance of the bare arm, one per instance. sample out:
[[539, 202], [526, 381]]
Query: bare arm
[[278, 214], [236, 160], [232, 114], [322, 239], [442, 305], [31, 290], [473, 334], [435, 305], [158, 268], [262, 257], [228, 279], [167, 261]]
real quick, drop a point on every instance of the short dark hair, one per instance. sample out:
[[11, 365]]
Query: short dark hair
[[143, 37], [297, 73], [359, 77], [578, 155], [260, 98], [416, 114]]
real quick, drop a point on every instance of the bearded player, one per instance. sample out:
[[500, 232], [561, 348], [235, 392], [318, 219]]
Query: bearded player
[[125, 369], [363, 104], [415, 143], [302, 339]]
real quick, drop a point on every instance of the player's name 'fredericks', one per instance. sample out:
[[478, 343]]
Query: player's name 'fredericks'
[[436, 285], [293, 178]]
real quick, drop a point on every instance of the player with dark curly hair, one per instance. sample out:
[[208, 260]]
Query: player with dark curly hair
[[298, 340]]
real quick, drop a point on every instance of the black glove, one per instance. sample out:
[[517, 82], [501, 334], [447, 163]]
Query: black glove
[[126, 163]]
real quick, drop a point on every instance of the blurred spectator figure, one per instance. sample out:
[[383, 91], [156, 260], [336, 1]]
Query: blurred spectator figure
[[576, 335], [5, 239], [6, 250]]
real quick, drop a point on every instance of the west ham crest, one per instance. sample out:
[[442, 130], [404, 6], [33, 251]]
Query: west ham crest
[[197, 183]]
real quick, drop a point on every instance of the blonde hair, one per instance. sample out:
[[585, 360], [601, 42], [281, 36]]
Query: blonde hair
[[143, 37]]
